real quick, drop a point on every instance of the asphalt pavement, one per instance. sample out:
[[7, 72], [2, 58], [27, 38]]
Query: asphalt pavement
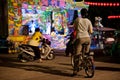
[[107, 68]]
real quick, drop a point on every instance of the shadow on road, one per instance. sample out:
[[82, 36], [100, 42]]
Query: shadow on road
[[108, 68], [13, 63], [108, 59], [98, 68]]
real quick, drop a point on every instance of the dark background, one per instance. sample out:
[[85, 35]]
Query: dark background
[[104, 12], [3, 19]]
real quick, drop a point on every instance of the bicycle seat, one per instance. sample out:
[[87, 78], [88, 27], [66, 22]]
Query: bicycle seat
[[85, 44]]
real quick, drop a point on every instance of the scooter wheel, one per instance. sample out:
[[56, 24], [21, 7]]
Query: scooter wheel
[[50, 56]]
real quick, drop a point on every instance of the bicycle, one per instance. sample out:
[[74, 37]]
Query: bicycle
[[85, 62]]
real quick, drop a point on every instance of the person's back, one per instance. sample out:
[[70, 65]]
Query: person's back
[[82, 27], [35, 39]]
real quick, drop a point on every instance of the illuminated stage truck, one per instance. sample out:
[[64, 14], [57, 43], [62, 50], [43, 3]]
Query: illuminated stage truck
[[51, 16]]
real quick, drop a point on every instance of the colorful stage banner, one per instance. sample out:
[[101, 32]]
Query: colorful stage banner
[[45, 2], [62, 3]]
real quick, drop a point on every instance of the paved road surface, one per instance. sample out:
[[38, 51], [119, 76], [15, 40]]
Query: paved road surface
[[57, 69]]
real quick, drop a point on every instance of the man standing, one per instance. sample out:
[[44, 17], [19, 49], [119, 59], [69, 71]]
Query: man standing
[[83, 28]]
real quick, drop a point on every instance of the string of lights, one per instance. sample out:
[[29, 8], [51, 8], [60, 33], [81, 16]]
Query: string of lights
[[105, 4], [113, 16], [114, 4]]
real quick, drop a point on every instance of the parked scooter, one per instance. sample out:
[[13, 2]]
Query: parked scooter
[[27, 53]]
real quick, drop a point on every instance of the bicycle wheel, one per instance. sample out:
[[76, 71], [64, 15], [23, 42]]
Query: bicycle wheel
[[72, 61], [89, 68]]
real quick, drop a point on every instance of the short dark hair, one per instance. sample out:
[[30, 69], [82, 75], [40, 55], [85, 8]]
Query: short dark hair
[[37, 29], [84, 12]]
